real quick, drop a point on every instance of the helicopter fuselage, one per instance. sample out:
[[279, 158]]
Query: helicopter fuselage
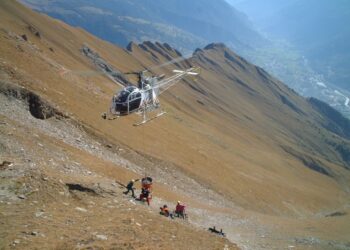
[[131, 99], [144, 99]]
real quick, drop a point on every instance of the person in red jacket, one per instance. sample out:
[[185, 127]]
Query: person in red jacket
[[145, 195]]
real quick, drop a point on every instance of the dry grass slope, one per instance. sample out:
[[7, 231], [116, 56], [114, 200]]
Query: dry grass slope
[[241, 149]]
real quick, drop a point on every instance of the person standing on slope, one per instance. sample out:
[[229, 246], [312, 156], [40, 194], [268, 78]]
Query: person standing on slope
[[130, 187]]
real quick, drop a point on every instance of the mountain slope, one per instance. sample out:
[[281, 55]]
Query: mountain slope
[[187, 26], [243, 151], [48, 154]]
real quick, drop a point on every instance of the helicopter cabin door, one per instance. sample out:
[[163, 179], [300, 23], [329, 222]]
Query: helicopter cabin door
[[134, 101]]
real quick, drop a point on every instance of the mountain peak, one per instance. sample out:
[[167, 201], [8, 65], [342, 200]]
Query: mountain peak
[[215, 46], [159, 47], [130, 47]]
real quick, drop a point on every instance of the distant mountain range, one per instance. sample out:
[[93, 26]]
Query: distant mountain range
[[185, 25], [310, 66]]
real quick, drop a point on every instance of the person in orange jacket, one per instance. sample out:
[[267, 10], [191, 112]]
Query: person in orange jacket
[[165, 211]]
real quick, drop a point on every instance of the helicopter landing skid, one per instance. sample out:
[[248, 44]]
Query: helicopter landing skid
[[145, 120]]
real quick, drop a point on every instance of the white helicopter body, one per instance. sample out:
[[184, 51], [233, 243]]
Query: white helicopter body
[[144, 98]]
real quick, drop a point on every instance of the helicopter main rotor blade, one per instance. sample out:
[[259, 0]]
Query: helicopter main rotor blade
[[172, 80], [90, 73], [86, 73], [188, 73], [175, 60], [132, 73]]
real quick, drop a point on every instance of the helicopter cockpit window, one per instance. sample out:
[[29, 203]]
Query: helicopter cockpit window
[[130, 88], [135, 95], [123, 96]]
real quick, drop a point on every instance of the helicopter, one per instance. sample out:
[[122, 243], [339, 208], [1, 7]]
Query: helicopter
[[144, 98]]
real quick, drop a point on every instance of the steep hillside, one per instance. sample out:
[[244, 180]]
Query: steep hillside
[[242, 150], [309, 64], [58, 174]]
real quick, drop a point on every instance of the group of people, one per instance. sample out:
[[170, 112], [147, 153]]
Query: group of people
[[178, 212], [146, 195], [146, 189]]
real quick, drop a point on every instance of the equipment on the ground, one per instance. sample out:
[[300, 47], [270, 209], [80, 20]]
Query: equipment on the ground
[[214, 230]]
